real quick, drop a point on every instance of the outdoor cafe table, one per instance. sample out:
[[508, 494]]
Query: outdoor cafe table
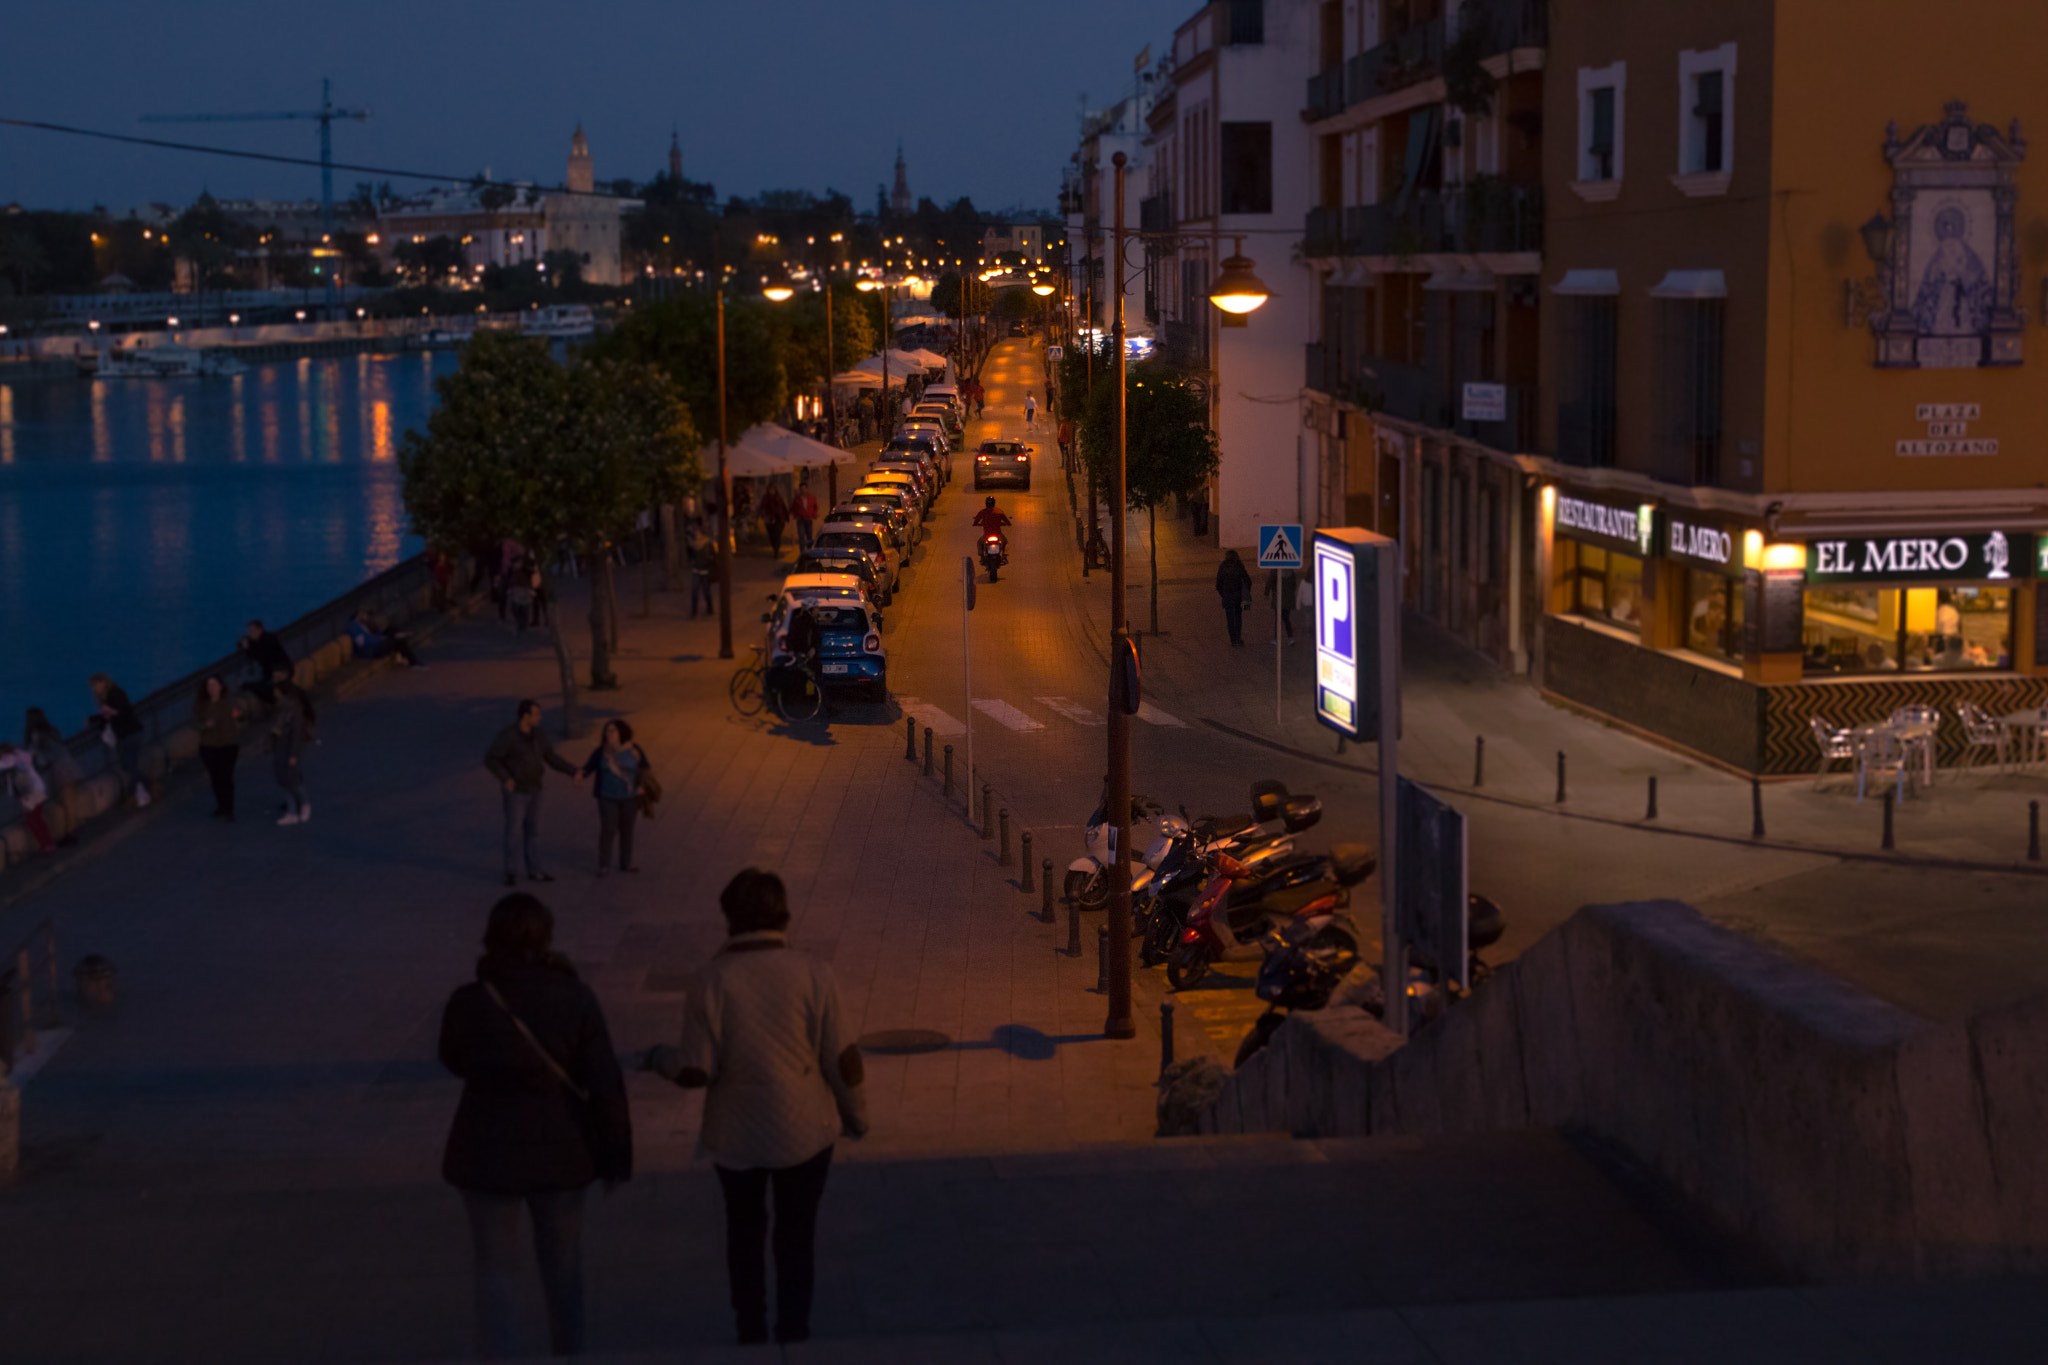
[[1916, 737], [2024, 733]]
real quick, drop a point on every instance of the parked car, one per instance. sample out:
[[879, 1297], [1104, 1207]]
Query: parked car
[[1002, 462], [850, 649], [869, 537], [841, 559], [888, 511]]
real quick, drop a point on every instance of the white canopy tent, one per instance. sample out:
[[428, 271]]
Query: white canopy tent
[[767, 449]]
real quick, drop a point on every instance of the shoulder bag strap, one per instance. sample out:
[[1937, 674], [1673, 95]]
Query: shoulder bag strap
[[578, 1091]]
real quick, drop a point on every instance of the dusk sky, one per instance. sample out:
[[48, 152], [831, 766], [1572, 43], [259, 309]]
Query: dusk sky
[[773, 94]]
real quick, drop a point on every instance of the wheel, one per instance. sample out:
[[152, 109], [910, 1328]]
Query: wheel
[[1089, 890], [1188, 965], [992, 571], [746, 693], [799, 700], [1261, 1034], [1160, 929]]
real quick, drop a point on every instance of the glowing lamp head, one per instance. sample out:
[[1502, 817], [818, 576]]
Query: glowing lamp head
[[865, 285], [1239, 289], [778, 291], [1044, 289]]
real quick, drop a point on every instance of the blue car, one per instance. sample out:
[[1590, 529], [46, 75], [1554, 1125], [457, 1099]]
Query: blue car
[[850, 653]]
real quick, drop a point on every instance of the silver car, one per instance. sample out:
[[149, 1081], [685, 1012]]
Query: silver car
[[1003, 462]]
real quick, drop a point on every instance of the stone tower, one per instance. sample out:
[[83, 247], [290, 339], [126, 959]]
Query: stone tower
[[675, 155], [899, 198], [581, 180]]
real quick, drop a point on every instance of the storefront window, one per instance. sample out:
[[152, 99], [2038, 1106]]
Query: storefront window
[[1713, 615], [1601, 584], [1911, 630]]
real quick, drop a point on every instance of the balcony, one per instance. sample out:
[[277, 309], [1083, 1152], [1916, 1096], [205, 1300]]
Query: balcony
[[1325, 94], [1420, 395], [1417, 55], [1487, 217], [1323, 234], [1156, 213]]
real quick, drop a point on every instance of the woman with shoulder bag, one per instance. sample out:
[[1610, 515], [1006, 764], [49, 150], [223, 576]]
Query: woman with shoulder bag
[[625, 789], [543, 1114]]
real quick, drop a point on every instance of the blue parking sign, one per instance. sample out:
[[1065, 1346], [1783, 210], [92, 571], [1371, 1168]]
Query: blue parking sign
[[1279, 546]]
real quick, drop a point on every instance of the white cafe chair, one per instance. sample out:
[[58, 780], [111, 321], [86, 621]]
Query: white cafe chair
[[1833, 744], [1982, 731]]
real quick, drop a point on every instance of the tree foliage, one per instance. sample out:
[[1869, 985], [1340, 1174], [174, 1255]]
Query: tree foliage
[[799, 328], [1169, 449], [679, 337]]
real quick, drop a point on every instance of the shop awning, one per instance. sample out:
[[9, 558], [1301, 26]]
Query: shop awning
[[1588, 282], [766, 450]]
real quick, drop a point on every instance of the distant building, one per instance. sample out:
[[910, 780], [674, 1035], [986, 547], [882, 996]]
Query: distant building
[[675, 156], [588, 224], [900, 202], [1014, 239]]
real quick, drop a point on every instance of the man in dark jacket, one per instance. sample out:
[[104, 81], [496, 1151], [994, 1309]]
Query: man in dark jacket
[[519, 758], [1234, 586], [270, 657]]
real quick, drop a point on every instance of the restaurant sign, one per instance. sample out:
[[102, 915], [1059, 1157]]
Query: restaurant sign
[[1701, 543], [1984, 556], [1627, 528]]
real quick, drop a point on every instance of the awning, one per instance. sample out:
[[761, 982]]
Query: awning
[[1588, 282], [766, 450]]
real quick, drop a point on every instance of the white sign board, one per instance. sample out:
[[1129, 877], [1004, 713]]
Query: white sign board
[[1486, 403]]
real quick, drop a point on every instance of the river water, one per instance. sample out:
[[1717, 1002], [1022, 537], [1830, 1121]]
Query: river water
[[144, 521]]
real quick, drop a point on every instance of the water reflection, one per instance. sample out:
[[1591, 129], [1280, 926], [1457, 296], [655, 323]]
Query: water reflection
[[6, 424]]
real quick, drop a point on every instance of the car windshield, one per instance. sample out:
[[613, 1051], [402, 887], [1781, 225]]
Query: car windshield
[[859, 540], [849, 618], [1001, 448]]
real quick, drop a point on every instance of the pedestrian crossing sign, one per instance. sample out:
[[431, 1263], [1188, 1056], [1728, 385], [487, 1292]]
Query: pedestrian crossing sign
[[1279, 547]]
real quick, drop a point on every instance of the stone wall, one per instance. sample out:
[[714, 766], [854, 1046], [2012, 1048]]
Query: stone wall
[[1704, 710], [1851, 1138]]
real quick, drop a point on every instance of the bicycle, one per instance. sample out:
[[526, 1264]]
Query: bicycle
[[798, 694], [748, 695]]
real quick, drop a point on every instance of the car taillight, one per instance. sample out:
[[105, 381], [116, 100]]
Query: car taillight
[[873, 644], [1022, 458], [981, 459], [1191, 936]]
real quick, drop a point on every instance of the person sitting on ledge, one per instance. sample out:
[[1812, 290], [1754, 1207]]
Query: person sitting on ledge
[[372, 643]]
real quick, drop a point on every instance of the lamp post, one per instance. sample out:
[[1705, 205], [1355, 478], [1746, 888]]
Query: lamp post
[[776, 291], [1238, 290]]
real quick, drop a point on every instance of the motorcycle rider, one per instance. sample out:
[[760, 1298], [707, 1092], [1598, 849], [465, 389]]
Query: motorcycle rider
[[991, 518]]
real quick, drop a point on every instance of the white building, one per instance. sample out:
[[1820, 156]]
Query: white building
[[1088, 198]]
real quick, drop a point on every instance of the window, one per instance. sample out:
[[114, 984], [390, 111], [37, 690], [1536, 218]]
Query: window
[[1689, 383], [1713, 615], [1603, 131], [1247, 21], [1247, 151], [1601, 584], [1706, 120], [1911, 630], [1587, 335]]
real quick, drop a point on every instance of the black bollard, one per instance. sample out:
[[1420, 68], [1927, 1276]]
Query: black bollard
[[1756, 808], [1102, 959], [1073, 928], [1024, 862], [1560, 775], [1003, 830], [2033, 831], [1045, 889], [910, 738], [1479, 760], [1165, 1035], [987, 828], [1652, 813], [1888, 819], [927, 751], [949, 771]]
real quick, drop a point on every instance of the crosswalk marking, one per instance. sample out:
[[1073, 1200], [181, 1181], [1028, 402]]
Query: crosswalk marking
[[927, 714], [1005, 713], [1073, 711], [1153, 715]]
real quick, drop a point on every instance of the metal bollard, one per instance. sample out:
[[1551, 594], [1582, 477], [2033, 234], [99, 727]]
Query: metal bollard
[[2033, 831], [1560, 775], [987, 832], [1024, 862], [1756, 808], [910, 738], [1102, 959], [948, 791], [1888, 820], [1002, 830], [1479, 760], [1073, 928], [1652, 813], [927, 751], [1045, 889], [1165, 1035]]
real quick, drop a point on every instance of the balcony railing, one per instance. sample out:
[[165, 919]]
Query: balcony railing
[[1418, 54], [1419, 395], [1326, 93], [1155, 214], [1489, 217]]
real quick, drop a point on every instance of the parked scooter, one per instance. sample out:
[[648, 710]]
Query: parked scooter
[[1170, 861], [1271, 861], [1306, 960], [1217, 931]]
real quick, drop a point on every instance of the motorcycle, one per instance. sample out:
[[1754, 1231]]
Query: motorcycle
[[1271, 861], [992, 555], [1306, 960], [1217, 931], [1172, 848]]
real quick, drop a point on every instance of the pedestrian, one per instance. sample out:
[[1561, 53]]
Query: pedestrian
[[267, 657], [1030, 408], [121, 731], [980, 399], [291, 731], [519, 758], [218, 718], [804, 507], [55, 761], [1283, 584], [1234, 586], [371, 642], [762, 1030], [1066, 442], [774, 516], [703, 568], [522, 593], [1199, 505], [543, 1115], [30, 792], [622, 777]]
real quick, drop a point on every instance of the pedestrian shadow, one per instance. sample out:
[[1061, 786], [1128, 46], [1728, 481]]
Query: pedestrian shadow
[[1025, 1043]]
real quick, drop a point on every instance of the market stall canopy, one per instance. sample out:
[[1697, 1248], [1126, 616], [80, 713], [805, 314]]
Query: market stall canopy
[[766, 450], [929, 360], [863, 378], [899, 361]]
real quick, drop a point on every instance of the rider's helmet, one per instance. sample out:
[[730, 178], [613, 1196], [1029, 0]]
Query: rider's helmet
[[988, 502]]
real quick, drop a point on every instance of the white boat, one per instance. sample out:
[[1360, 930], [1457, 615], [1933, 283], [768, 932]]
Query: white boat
[[168, 361], [558, 320], [439, 339]]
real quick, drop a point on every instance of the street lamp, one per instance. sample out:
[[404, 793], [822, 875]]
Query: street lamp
[[1238, 289], [724, 477]]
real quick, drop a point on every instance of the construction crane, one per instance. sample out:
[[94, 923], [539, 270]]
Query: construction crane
[[326, 114]]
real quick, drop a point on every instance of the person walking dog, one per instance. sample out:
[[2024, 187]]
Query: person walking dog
[[543, 1115], [1234, 586], [762, 1033], [519, 758]]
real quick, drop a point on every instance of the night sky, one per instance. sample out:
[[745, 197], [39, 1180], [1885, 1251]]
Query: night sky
[[768, 94]]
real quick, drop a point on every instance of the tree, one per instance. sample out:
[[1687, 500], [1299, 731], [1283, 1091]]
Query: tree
[[1169, 450], [522, 447], [679, 337]]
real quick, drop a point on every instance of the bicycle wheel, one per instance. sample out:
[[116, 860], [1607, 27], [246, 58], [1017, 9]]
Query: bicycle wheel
[[745, 688], [799, 698]]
